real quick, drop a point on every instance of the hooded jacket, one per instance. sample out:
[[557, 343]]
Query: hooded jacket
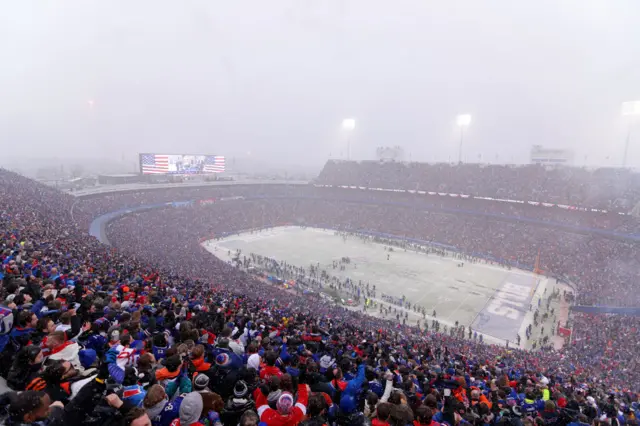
[[273, 418], [155, 411], [482, 398], [200, 364], [190, 410], [163, 375]]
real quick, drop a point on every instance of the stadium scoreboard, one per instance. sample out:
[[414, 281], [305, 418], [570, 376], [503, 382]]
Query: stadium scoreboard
[[180, 164]]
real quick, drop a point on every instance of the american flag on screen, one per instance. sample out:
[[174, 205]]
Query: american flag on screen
[[213, 164], [154, 163]]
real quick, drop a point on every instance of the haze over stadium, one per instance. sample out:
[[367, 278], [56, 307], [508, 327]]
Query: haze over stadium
[[339, 213]]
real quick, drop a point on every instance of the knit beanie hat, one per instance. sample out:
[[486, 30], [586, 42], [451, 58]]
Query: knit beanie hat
[[285, 403], [200, 382], [241, 389]]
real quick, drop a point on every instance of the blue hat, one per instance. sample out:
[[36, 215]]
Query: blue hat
[[87, 357], [348, 403]]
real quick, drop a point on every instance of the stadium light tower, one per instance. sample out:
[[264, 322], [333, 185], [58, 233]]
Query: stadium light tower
[[630, 109], [349, 124], [463, 121]]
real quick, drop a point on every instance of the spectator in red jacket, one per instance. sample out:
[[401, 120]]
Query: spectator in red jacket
[[269, 368], [288, 413]]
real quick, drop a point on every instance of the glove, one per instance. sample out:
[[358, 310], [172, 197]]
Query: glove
[[103, 372]]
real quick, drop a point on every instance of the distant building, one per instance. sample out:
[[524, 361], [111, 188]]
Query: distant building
[[390, 153], [542, 155]]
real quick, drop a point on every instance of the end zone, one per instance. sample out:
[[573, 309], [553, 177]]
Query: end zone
[[505, 311]]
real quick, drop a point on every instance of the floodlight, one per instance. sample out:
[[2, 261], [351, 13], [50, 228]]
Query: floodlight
[[631, 108], [464, 120], [349, 123]]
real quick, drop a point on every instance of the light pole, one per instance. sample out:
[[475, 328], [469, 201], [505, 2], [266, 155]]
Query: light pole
[[630, 109], [463, 121], [349, 124]]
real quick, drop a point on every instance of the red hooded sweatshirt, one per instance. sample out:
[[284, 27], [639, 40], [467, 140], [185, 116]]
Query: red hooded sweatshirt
[[268, 371]]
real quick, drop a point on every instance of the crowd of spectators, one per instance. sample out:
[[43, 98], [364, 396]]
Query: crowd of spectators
[[89, 208], [605, 269], [155, 331], [605, 188]]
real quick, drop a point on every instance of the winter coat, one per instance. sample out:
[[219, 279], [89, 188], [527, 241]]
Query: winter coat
[[233, 410], [200, 364], [269, 371], [19, 376], [273, 418], [352, 419], [68, 351], [134, 394], [319, 384]]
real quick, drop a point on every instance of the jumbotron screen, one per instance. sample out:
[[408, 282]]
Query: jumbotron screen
[[180, 164]]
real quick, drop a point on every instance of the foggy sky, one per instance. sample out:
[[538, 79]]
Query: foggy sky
[[272, 79]]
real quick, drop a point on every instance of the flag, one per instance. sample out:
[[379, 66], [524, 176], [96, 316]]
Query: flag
[[564, 332], [213, 164], [154, 163]]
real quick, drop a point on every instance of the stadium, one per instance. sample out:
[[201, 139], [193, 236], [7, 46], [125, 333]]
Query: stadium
[[451, 275], [320, 213]]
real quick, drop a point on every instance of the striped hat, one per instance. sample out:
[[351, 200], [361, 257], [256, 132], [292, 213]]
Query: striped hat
[[36, 384]]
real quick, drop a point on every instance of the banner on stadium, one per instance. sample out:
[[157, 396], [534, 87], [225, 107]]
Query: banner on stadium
[[564, 332], [501, 200], [180, 164]]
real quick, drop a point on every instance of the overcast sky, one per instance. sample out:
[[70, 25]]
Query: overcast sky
[[273, 79]]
